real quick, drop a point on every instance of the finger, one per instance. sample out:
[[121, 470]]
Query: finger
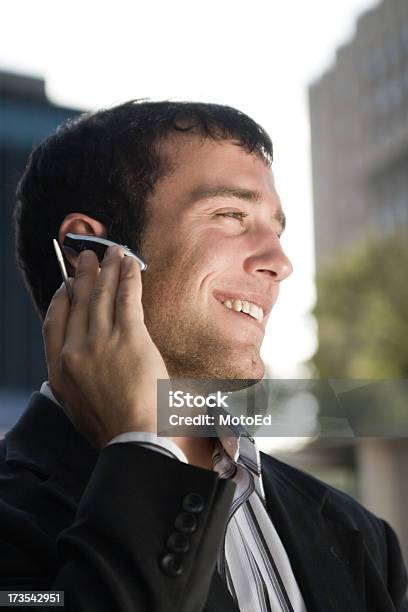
[[85, 278], [128, 307], [102, 304], [55, 324]]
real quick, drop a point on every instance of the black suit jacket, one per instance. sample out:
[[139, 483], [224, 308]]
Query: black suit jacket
[[96, 527]]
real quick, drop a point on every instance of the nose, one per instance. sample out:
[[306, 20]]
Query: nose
[[270, 259]]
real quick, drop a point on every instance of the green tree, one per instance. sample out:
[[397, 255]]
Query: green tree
[[362, 312]]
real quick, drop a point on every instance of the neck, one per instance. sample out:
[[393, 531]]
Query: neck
[[197, 450]]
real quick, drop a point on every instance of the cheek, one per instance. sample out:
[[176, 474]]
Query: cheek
[[189, 256], [219, 251], [200, 249], [199, 264]]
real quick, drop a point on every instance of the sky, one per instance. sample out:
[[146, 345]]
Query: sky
[[258, 56]]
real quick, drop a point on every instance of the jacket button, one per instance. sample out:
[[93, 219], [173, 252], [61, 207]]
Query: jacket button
[[193, 502], [171, 565], [178, 542], [186, 522]]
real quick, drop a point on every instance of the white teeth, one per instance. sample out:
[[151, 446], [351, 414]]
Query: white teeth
[[248, 307], [237, 305], [254, 311]]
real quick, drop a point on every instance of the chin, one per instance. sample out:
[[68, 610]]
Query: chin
[[235, 370], [250, 369], [207, 355], [257, 371]]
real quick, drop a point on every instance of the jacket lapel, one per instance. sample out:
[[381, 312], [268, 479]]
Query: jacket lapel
[[327, 557]]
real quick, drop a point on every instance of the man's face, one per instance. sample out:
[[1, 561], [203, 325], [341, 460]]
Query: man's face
[[212, 237]]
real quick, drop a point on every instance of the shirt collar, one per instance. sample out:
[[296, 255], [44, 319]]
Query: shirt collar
[[47, 391]]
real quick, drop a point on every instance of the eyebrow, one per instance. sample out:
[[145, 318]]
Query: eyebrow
[[225, 191]]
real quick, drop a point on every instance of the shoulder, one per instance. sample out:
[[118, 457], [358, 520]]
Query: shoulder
[[334, 504]]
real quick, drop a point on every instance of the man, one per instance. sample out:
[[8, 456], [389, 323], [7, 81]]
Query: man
[[93, 502]]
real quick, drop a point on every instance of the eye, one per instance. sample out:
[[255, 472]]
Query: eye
[[233, 214]]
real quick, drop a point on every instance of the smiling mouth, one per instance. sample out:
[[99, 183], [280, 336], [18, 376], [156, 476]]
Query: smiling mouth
[[245, 307]]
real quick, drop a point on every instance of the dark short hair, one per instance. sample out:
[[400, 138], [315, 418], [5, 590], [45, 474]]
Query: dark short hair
[[105, 164]]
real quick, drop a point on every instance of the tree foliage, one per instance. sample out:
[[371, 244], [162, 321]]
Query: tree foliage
[[362, 312]]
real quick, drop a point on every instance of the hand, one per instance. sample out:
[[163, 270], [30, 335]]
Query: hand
[[102, 363]]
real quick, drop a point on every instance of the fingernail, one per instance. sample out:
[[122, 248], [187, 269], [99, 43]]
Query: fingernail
[[112, 250], [85, 255]]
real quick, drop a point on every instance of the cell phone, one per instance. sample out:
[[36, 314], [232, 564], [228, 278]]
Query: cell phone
[[61, 263], [77, 243]]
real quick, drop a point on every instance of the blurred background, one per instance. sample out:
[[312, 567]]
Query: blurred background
[[329, 82]]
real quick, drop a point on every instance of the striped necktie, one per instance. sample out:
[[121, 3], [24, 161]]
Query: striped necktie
[[252, 561]]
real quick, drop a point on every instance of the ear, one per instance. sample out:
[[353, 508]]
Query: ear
[[78, 223]]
